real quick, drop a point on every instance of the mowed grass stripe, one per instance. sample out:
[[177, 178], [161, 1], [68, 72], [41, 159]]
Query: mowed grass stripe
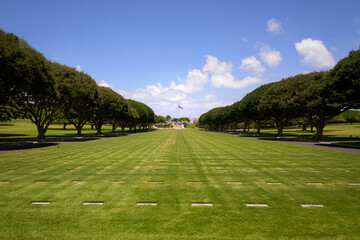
[[134, 158]]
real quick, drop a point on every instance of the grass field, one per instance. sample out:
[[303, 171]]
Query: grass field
[[344, 133], [175, 168], [22, 130]]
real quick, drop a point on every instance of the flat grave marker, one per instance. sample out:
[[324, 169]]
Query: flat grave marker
[[311, 205], [274, 183], [314, 183], [146, 204], [252, 170], [117, 182], [40, 203], [93, 203], [209, 204], [354, 184], [234, 182], [195, 182], [256, 205]]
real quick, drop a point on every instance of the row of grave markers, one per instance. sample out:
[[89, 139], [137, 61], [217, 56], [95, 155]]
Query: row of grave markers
[[197, 204], [228, 182]]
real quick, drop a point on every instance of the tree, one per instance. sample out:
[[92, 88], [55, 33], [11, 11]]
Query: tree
[[160, 119], [276, 103], [351, 116], [344, 81], [107, 108], [26, 82], [248, 107], [78, 95], [312, 100]]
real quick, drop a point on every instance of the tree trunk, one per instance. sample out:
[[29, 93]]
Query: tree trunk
[[92, 126], [41, 132], [78, 129], [64, 126], [258, 128], [280, 127], [98, 127], [114, 126], [311, 128], [304, 126]]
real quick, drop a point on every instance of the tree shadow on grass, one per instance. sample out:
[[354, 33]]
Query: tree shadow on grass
[[4, 135], [6, 124]]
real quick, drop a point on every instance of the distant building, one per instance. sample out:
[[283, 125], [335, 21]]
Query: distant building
[[193, 120]]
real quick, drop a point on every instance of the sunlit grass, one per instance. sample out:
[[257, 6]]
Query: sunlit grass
[[344, 133], [154, 167], [23, 130]]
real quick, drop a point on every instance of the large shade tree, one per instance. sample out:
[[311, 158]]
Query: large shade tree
[[108, 107], [343, 84], [78, 95], [26, 82]]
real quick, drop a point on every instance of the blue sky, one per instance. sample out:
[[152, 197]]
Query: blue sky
[[199, 54]]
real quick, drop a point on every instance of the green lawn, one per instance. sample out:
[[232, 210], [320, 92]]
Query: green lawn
[[344, 133], [172, 158], [22, 130]]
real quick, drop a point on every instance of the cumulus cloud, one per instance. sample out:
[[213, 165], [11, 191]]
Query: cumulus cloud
[[221, 76], [105, 84], [252, 64], [78, 68], [155, 93], [315, 53], [194, 82], [273, 26], [164, 100], [244, 39], [270, 56]]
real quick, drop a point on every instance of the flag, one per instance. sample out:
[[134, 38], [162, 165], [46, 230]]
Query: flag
[[180, 107]]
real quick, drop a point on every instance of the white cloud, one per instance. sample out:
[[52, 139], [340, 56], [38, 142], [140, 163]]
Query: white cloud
[[214, 66], [220, 74], [315, 53], [270, 56], [154, 93], [78, 68], [252, 64], [273, 26], [105, 84], [244, 39], [165, 101], [194, 82]]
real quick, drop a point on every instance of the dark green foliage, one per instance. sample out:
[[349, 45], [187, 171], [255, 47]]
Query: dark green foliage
[[344, 81], [26, 82], [24, 72], [109, 107], [78, 95], [142, 115], [315, 98], [41, 90]]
